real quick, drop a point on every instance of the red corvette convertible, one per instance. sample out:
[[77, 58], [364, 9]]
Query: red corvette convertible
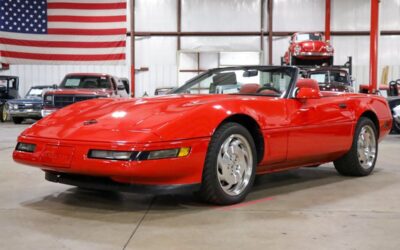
[[213, 135]]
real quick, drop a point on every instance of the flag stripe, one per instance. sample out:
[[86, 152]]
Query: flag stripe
[[70, 51], [62, 44], [12, 60], [86, 26], [77, 12], [98, 32], [62, 57], [63, 38], [87, 19], [86, 6], [86, 1]]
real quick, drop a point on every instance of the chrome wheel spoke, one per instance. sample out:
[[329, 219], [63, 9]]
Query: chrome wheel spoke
[[366, 147], [234, 164]]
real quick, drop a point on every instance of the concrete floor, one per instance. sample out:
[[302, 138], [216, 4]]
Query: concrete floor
[[311, 208]]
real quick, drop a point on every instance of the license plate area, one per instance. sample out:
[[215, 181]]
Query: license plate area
[[57, 156]]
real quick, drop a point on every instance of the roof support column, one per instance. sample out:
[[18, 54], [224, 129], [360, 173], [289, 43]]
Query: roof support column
[[327, 20], [374, 35], [132, 12]]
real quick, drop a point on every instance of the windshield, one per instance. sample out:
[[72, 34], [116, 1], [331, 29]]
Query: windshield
[[35, 92], [85, 82], [329, 77], [308, 37], [271, 81]]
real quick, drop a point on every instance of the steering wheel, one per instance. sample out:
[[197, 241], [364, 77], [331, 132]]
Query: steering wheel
[[268, 86]]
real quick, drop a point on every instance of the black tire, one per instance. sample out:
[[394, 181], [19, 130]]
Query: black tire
[[3, 113], [293, 61], [395, 127], [17, 120], [211, 188], [349, 164]]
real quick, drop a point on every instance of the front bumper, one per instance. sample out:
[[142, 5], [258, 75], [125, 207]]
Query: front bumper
[[314, 54], [27, 113], [103, 183], [70, 156], [46, 112]]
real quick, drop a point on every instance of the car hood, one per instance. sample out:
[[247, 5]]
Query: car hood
[[310, 46], [26, 100], [154, 119], [99, 92]]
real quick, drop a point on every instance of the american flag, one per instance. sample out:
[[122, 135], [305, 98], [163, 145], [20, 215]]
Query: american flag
[[62, 31]]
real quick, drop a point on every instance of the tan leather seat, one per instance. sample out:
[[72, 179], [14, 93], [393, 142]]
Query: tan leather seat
[[250, 88]]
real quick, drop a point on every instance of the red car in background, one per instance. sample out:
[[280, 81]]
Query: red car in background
[[77, 87], [212, 135], [309, 49]]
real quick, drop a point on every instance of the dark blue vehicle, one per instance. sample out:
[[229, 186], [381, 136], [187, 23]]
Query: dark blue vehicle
[[30, 107]]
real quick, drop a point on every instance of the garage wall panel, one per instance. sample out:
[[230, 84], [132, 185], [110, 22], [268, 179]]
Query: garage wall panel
[[249, 43], [155, 15], [221, 15], [351, 15], [390, 12], [299, 15]]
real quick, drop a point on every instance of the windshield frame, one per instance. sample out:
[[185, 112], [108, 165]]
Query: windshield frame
[[310, 35], [293, 72], [329, 72]]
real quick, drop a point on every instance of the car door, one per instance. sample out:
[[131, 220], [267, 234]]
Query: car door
[[319, 128]]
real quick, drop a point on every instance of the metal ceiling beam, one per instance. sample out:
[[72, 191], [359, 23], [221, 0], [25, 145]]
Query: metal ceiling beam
[[258, 33]]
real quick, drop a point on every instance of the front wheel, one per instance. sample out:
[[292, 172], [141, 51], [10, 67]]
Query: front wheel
[[230, 165], [361, 158], [3, 113], [17, 120]]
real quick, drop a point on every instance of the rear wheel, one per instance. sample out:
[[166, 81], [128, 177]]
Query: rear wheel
[[230, 165], [395, 127], [361, 158], [17, 120]]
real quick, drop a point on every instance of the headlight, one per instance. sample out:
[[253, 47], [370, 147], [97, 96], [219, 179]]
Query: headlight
[[297, 49], [48, 99], [25, 147], [138, 155], [110, 155]]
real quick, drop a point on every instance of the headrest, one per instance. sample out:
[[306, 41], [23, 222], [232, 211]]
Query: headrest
[[307, 83], [228, 78], [250, 88]]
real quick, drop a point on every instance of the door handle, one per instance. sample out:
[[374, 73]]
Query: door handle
[[342, 105]]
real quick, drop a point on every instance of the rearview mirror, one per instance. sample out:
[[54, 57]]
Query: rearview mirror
[[307, 93], [250, 73]]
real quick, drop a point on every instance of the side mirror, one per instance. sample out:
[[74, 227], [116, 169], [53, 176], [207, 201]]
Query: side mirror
[[121, 87], [305, 93]]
